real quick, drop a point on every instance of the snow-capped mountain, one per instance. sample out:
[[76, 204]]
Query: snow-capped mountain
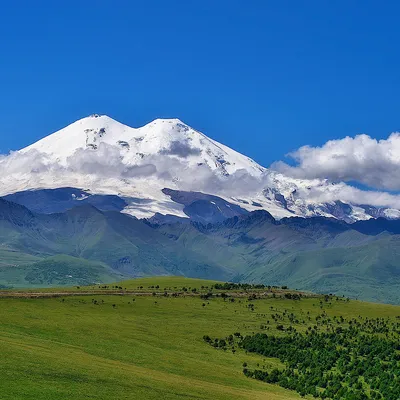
[[169, 137], [103, 156]]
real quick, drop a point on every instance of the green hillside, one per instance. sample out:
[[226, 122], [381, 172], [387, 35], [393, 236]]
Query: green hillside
[[311, 256], [364, 272], [84, 246], [140, 345], [112, 245], [22, 270]]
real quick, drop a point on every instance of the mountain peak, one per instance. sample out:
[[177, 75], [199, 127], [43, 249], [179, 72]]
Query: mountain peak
[[91, 117], [106, 119], [162, 139], [172, 121], [168, 125]]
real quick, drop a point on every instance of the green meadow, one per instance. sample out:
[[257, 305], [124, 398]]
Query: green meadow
[[130, 346]]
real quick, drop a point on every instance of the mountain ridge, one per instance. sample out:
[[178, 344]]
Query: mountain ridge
[[318, 254]]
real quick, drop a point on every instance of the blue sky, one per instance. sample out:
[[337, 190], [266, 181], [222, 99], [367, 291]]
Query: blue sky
[[264, 77]]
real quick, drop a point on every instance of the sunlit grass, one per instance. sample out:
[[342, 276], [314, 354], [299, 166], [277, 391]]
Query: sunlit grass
[[142, 347]]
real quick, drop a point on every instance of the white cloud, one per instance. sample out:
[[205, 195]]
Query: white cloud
[[106, 161], [353, 195], [31, 162], [361, 159]]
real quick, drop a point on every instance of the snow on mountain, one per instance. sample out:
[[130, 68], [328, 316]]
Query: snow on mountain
[[103, 156], [161, 137]]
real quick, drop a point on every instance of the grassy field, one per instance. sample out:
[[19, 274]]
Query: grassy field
[[143, 347]]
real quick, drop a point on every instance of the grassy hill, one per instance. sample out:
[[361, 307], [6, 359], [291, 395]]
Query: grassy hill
[[140, 345]]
